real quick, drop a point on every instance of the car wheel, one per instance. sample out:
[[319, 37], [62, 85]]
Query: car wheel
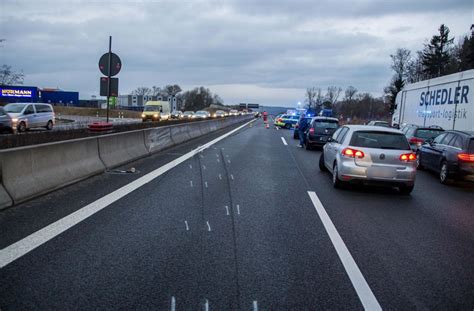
[[288, 126], [336, 182], [22, 127], [444, 173], [322, 167], [49, 125], [406, 189]]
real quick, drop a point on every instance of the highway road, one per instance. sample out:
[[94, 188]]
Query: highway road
[[247, 223]]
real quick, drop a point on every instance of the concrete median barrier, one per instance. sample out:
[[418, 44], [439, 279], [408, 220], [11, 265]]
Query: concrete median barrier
[[5, 200], [120, 148], [180, 133], [31, 171], [158, 139]]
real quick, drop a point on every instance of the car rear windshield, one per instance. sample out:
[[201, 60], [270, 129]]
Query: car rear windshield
[[428, 133], [326, 124], [381, 140], [471, 146]]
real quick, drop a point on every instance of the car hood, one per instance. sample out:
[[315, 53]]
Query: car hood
[[14, 115]]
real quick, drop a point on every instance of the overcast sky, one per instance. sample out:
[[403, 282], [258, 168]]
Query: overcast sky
[[264, 52]]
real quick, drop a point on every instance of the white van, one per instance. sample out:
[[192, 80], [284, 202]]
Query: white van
[[31, 115], [446, 101]]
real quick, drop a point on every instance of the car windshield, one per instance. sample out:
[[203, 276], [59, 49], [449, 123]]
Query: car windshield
[[188, 112], [152, 108], [381, 140], [201, 112], [14, 108], [328, 124], [428, 133]]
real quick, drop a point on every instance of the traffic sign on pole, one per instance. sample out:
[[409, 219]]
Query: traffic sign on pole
[[116, 64]]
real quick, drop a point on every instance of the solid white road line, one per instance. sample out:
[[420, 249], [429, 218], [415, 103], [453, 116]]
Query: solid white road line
[[359, 283], [284, 141], [29, 243]]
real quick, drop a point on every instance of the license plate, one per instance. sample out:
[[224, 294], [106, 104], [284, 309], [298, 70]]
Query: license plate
[[381, 172]]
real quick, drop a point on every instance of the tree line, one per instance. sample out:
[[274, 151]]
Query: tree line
[[440, 56], [196, 99]]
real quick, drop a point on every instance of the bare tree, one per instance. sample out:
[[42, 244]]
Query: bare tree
[[10, 77], [142, 90], [333, 93], [171, 90], [310, 99], [350, 93], [156, 90]]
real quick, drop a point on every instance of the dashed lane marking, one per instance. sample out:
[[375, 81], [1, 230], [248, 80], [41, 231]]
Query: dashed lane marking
[[34, 240], [238, 209], [187, 226], [284, 141], [208, 226], [359, 283], [227, 210], [173, 304]]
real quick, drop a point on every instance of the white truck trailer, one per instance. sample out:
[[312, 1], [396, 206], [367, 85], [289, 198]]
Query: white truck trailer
[[446, 101]]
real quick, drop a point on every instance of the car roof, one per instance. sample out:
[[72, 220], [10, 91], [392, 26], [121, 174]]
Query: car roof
[[465, 133], [326, 118], [373, 128]]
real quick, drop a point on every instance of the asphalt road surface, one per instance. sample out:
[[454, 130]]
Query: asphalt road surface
[[248, 223]]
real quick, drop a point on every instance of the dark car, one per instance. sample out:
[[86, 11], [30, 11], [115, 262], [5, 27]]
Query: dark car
[[417, 135], [450, 154], [319, 130], [6, 122], [297, 127]]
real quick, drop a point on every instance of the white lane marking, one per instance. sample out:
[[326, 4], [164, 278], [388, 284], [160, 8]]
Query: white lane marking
[[217, 155], [173, 304], [231, 176], [359, 283], [255, 305], [220, 176], [208, 226], [29, 243], [218, 161], [206, 305], [190, 166], [203, 167], [238, 209], [284, 141], [227, 209], [202, 157], [228, 161], [205, 184], [191, 183], [187, 226]]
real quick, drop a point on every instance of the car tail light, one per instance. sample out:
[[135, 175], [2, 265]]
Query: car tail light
[[311, 130], [280, 120], [408, 157], [352, 153], [466, 157], [417, 141]]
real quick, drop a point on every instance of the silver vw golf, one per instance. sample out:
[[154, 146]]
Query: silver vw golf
[[369, 155]]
